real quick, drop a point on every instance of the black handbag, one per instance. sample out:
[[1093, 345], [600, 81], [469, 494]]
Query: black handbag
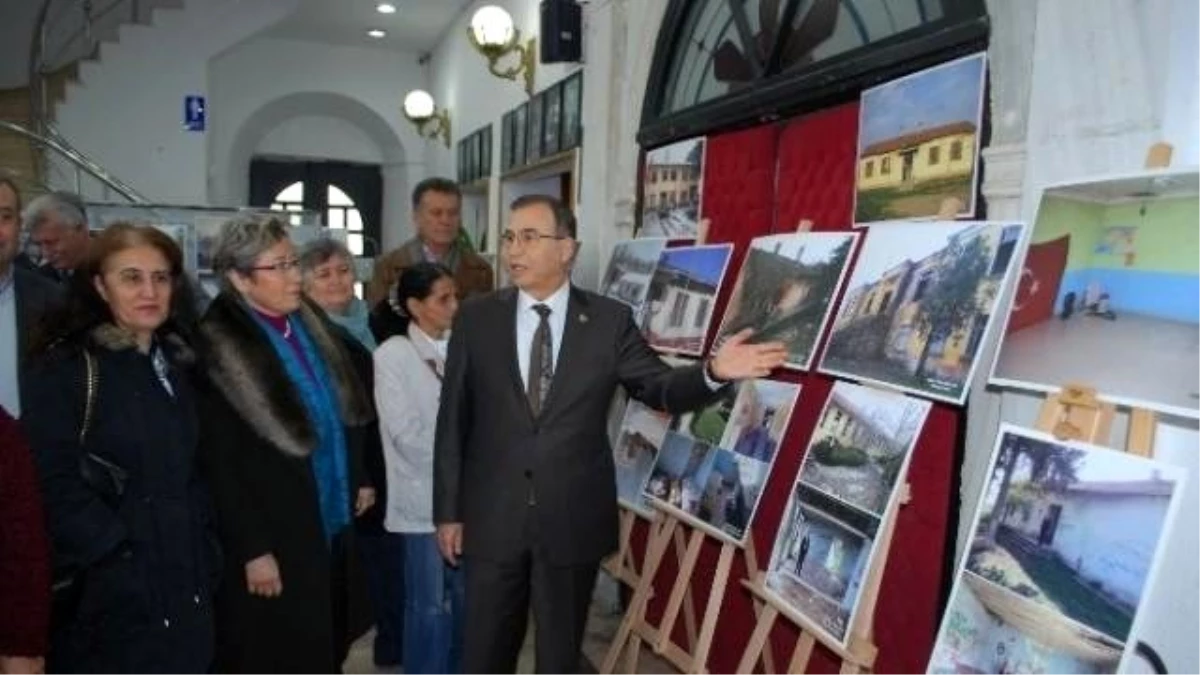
[[105, 477]]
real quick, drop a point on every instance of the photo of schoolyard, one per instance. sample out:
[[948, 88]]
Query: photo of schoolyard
[[1073, 528], [671, 187], [683, 295], [820, 559], [988, 629], [918, 142], [786, 288], [641, 435], [1109, 294], [919, 304], [861, 445], [630, 268]]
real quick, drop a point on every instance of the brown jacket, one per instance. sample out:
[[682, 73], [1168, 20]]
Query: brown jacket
[[472, 274]]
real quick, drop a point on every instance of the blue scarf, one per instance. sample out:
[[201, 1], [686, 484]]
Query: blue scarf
[[328, 461], [357, 320]]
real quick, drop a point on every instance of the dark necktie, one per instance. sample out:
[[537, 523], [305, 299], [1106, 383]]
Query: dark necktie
[[541, 364]]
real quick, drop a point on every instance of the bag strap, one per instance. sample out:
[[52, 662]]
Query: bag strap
[[92, 382]]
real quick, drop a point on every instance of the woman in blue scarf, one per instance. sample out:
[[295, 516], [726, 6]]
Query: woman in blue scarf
[[284, 416], [329, 280]]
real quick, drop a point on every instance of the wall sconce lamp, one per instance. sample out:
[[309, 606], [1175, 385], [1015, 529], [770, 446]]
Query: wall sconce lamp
[[421, 111], [493, 33]]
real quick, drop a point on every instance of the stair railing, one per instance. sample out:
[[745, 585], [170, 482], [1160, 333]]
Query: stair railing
[[79, 162]]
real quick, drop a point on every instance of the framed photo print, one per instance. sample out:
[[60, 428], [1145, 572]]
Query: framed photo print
[[552, 120], [521, 136], [506, 141], [534, 151], [572, 100]]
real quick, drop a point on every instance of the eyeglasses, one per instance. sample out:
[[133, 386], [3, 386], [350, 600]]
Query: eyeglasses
[[281, 266], [526, 237]]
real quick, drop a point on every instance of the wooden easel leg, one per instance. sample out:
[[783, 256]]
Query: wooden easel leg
[[758, 639], [689, 614], [675, 602], [660, 539], [802, 653], [713, 610]]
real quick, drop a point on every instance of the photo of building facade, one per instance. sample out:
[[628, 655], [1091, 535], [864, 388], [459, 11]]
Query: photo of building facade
[[683, 296], [919, 142], [671, 184], [921, 299]]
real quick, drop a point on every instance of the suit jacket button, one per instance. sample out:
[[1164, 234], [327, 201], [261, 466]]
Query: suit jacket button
[[528, 473]]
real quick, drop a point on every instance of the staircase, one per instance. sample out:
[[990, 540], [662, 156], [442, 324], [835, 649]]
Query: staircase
[[19, 158]]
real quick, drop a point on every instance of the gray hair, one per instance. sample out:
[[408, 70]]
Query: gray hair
[[243, 238], [319, 251], [66, 206]]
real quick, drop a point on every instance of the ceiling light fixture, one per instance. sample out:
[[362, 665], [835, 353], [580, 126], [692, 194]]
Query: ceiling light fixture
[[377, 33], [385, 8], [493, 33], [421, 110]]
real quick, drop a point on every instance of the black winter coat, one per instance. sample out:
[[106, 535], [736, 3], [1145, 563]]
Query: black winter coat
[[256, 453], [149, 557]]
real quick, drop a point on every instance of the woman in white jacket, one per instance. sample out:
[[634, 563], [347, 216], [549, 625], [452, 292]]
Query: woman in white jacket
[[408, 384]]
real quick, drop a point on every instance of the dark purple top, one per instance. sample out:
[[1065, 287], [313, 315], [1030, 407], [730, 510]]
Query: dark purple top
[[280, 325]]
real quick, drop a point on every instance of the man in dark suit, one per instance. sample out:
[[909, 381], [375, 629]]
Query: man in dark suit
[[57, 223], [25, 296], [524, 486]]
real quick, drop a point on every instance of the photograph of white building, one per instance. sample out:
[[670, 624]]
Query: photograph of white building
[[683, 296]]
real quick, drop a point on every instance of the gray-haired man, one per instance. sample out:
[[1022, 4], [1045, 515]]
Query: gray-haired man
[[57, 224]]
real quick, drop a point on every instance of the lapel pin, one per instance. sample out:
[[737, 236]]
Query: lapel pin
[[583, 318]]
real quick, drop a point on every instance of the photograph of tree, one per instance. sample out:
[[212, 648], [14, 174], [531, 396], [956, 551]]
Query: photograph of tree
[[1108, 275], [820, 559], [683, 295], [1067, 537], [708, 423], [919, 304], [641, 435], [861, 445], [786, 288], [671, 182], [629, 271], [918, 142]]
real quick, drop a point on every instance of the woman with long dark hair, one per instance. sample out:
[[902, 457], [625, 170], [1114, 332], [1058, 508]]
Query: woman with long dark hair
[[112, 424], [408, 375]]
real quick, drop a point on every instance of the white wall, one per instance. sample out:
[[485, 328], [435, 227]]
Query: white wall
[[315, 100], [126, 112], [320, 137]]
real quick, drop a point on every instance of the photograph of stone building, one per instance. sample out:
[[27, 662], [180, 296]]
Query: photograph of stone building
[[920, 302], [630, 268], [785, 290], [671, 186], [918, 142]]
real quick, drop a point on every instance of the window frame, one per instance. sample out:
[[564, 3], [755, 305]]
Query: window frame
[[777, 94]]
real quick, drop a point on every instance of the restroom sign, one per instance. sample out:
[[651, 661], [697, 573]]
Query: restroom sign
[[195, 112]]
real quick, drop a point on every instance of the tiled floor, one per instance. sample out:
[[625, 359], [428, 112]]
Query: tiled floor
[[602, 625]]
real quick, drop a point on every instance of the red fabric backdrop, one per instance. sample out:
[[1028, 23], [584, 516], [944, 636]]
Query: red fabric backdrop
[[764, 180]]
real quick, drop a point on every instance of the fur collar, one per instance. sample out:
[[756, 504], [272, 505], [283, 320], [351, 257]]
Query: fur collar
[[244, 367], [116, 339]]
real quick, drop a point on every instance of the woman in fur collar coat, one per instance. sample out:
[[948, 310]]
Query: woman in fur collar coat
[[285, 416], [129, 522]]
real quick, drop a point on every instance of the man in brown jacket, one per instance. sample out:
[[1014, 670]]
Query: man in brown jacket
[[436, 204]]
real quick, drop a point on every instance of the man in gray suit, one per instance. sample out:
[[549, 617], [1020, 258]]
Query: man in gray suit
[[524, 486], [25, 296]]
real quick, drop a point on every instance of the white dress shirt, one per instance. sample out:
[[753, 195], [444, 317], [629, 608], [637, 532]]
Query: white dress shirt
[[527, 324]]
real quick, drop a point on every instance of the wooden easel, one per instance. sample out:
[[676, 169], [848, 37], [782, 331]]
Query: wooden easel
[[1075, 413], [635, 628], [622, 566]]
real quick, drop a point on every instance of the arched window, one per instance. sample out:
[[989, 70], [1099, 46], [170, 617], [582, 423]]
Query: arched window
[[724, 63], [290, 198], [343, 214]]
